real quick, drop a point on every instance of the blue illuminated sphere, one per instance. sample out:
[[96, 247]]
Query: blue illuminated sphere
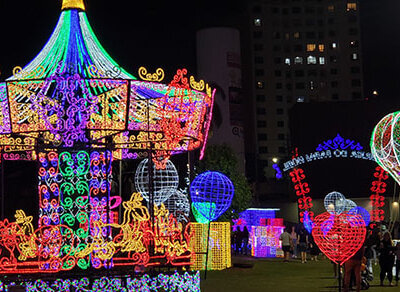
[[209, 188], [362, 212]]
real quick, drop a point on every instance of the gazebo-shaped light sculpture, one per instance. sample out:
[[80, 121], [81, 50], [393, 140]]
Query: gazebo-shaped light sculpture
[[74, 110]]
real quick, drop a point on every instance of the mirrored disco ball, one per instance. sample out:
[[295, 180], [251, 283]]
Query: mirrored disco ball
[[165, 181], [335, 203], [212, 187]]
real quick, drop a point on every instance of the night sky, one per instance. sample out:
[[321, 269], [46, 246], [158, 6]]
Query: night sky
[[157, 34], [163, 35]]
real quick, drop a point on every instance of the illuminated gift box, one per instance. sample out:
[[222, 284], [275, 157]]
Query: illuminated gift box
[[265, 241], [219, 246]]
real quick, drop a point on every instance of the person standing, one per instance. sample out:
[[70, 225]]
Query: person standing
[[353, 264], [286, 244], [397, 262], [302, 239], [386, 258], [293, 236]]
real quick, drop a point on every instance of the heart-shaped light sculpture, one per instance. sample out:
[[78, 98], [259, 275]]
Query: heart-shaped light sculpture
[[385, 144], [339, 236]]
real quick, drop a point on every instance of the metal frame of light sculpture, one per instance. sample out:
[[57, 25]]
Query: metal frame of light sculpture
[[378, 188], [301, 189], [252, 216], [335, 203], [382, 135], [265, 240], [340, 236], [211, 187], [218, 256], [75, 110], [165, 181], [178, 205]]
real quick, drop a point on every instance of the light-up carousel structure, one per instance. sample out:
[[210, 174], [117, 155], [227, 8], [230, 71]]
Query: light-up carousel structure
[[74, 110]]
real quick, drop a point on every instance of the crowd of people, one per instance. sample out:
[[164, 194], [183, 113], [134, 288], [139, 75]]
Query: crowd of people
[[378, 248]]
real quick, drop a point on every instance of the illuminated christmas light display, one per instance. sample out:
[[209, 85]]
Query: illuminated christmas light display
[[378, 188], [211, 194], [219, 246], [264, 240], [339, 143], [178, 205], [363, 213], [254, 216], [302, 189], [340, 236], [382, 146], [54, 248], [335, 203], [75, 111], [162, 282], [166, 181]]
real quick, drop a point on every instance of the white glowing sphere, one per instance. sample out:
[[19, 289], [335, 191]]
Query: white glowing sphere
[[349, 205], [178, 205], [335, 203], [165, 181]]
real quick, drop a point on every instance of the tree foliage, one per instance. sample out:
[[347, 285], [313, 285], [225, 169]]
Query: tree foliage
[[222, 158]]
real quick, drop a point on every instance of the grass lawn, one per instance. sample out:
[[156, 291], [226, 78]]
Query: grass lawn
[[275, 275]]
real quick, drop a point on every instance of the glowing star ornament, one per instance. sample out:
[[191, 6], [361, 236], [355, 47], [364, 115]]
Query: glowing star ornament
[[211, 194], [344, 236]]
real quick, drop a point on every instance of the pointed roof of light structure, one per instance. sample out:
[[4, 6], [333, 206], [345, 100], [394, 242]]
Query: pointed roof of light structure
[[72, 47], [73, 94]]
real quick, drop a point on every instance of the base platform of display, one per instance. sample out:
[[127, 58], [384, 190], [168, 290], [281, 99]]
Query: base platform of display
[[176, 281]]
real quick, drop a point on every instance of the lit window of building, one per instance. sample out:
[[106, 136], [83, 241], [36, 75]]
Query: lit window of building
[[296, 35], [351, 6], [331, 8], [321, 47], [287, 61], [334, 45], [354, 56], [312, 85], [298, 60], [311, 60], [311, 47], [354, 44], [300, 99], [260, 84], [322, 60], [257, 22]]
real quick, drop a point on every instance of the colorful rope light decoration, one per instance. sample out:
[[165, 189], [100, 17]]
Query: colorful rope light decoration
[[75, 111], [385, 150], [378, 188], [265, 240], [209, 189], [165, 181], [339, 232], [302, 189], [162, 282], [340, 236], [219, 246], [178, 205]]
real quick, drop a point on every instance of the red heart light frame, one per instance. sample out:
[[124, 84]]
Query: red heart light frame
[[339, 237]]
